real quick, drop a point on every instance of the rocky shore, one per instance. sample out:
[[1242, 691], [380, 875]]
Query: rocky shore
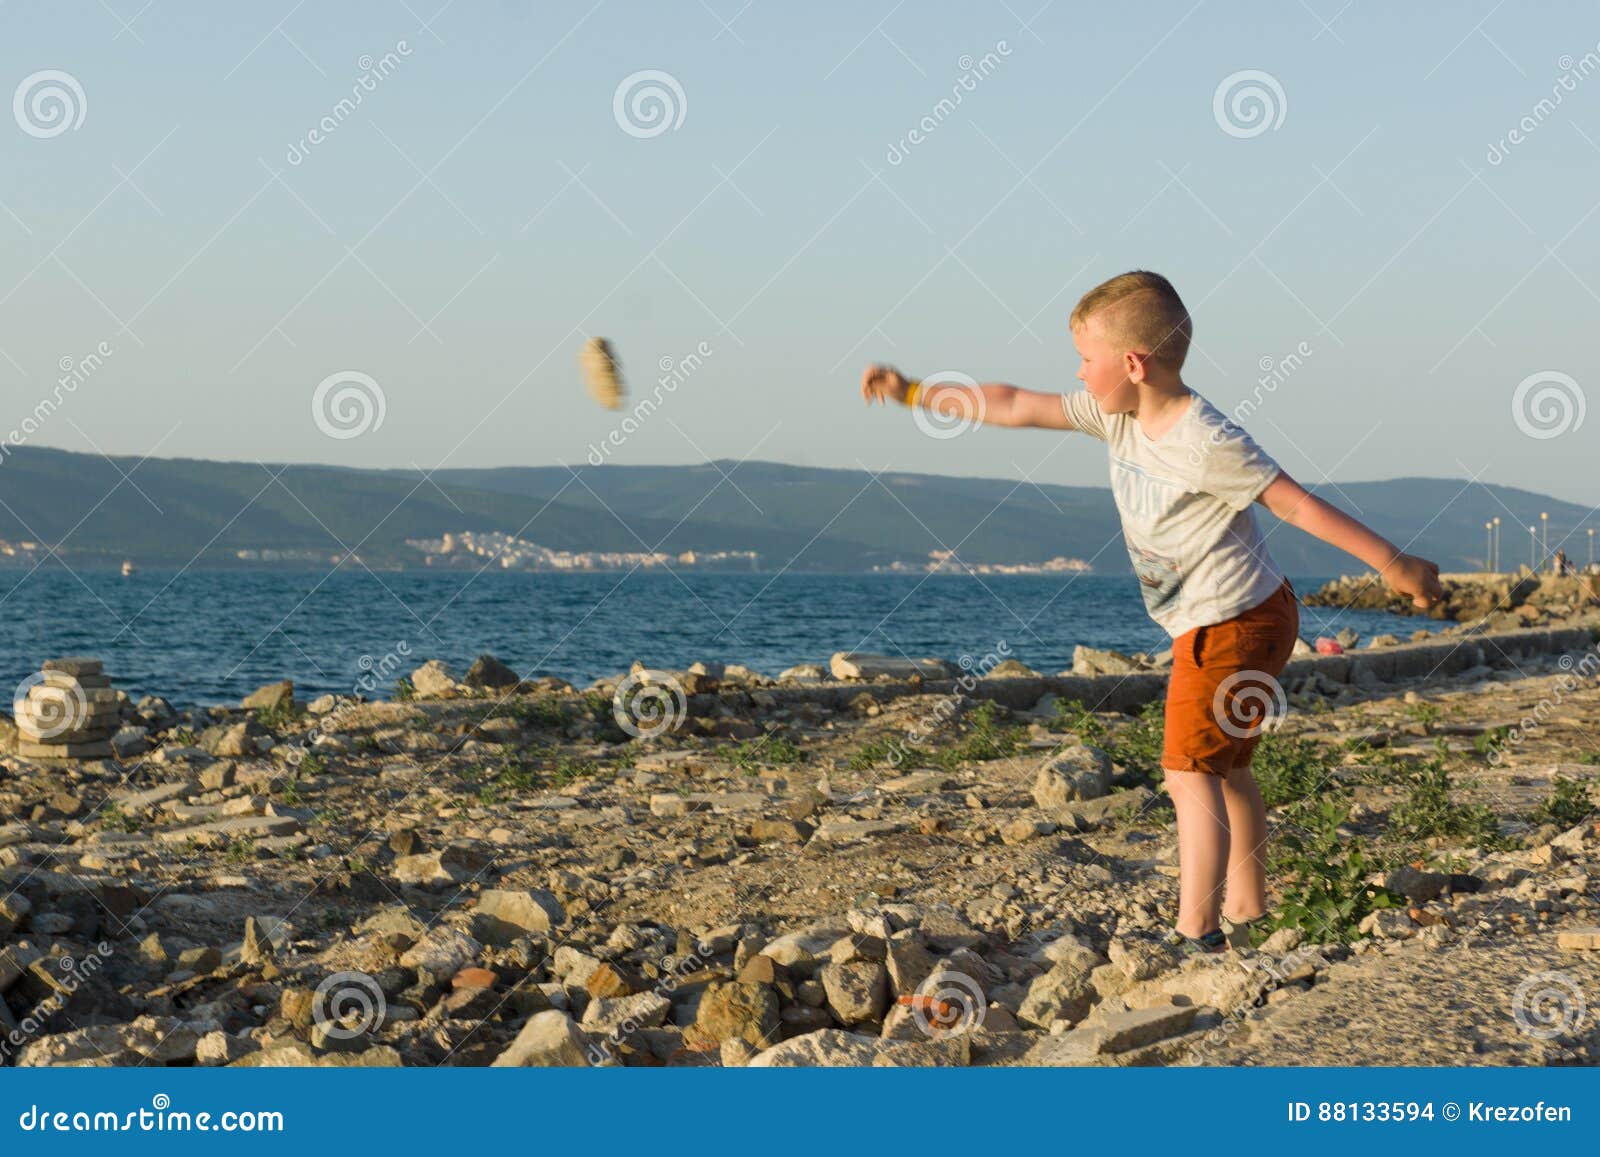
[[874, 862], [1491, 601]]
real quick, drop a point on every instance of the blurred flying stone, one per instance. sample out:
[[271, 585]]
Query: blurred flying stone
[[601, 373]]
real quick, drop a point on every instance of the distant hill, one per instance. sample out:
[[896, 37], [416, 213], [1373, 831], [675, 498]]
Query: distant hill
[[172, 511]]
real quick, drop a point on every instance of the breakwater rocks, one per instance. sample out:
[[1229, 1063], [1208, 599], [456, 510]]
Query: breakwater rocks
[[1496, 602], [934, 866]]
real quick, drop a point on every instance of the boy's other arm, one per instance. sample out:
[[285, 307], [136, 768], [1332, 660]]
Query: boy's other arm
[[999, 404], [1406, 573]]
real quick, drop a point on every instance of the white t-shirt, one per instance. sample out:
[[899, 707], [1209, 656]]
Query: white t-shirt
[[1185, 501]]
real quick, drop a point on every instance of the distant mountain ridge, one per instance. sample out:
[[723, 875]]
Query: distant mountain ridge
[[169, 511]]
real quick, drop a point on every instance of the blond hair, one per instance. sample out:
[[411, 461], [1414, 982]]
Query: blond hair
[[1140, 311]]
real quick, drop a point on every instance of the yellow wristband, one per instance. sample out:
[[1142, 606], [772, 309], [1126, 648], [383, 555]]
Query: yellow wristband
[[913, 393]]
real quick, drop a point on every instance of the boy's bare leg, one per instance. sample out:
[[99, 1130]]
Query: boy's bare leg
[[1202, 848], [1246, 897]]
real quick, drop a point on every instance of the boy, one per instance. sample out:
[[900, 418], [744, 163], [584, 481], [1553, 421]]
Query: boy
[[1184, 478]]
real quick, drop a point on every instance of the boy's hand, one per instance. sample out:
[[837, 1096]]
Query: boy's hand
[[1416, 577], [883, 384]]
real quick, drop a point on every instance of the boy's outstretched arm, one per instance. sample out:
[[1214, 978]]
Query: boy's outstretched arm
[[1406, 573], [998, 404]]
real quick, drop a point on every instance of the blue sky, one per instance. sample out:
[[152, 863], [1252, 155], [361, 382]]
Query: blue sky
[[484, 207]]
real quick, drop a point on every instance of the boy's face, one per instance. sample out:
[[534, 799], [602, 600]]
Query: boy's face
[[1104, 371]]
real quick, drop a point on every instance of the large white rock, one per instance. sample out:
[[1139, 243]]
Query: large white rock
[[825, 1048], [433, 680], [855, 665], [1077, 773], [548, 1040]]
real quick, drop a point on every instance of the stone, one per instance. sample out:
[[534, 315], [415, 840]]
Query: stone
[[953, 1051], [549, 1040], [1078, 773], [14, 910], [503, 915], [1219, 981], [272, 697], [909, 963], [1021, 830], [1094, 661], [858, 991], [624, 1014], [57, 749], [1579, 939], [147, 1040], [735, 1010], [295, 1055], [220, 1048], [1011, 669], [74, 665], [453, 864], [433, 680], [826, 1048], [1064, 993], [257, 946], [804, 673], [848, 831], [780, 831], [857, 665], [443, 951], [1417, 885], [487, 671], [129, 741], [1143, 955], [202, 959], [1118, 1032], [223, 832]]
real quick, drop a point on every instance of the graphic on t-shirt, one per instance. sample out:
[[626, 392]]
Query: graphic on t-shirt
[[1160, 579], [1140, 494]]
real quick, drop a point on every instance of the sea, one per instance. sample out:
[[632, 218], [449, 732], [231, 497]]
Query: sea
[[202, 637]]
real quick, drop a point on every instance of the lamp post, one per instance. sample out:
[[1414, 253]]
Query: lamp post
[[1544, 521], [1488, 543], [1497, 544], [1533, 549]]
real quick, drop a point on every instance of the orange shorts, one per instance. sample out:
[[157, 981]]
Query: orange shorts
[[1224, 686]]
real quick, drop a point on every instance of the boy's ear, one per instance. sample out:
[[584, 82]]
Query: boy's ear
[[1133, 365]]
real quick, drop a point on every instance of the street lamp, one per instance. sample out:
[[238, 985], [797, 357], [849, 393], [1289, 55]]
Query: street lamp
[[1497, 544], [1544, 521], [1488, 543], [1533, 549]]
